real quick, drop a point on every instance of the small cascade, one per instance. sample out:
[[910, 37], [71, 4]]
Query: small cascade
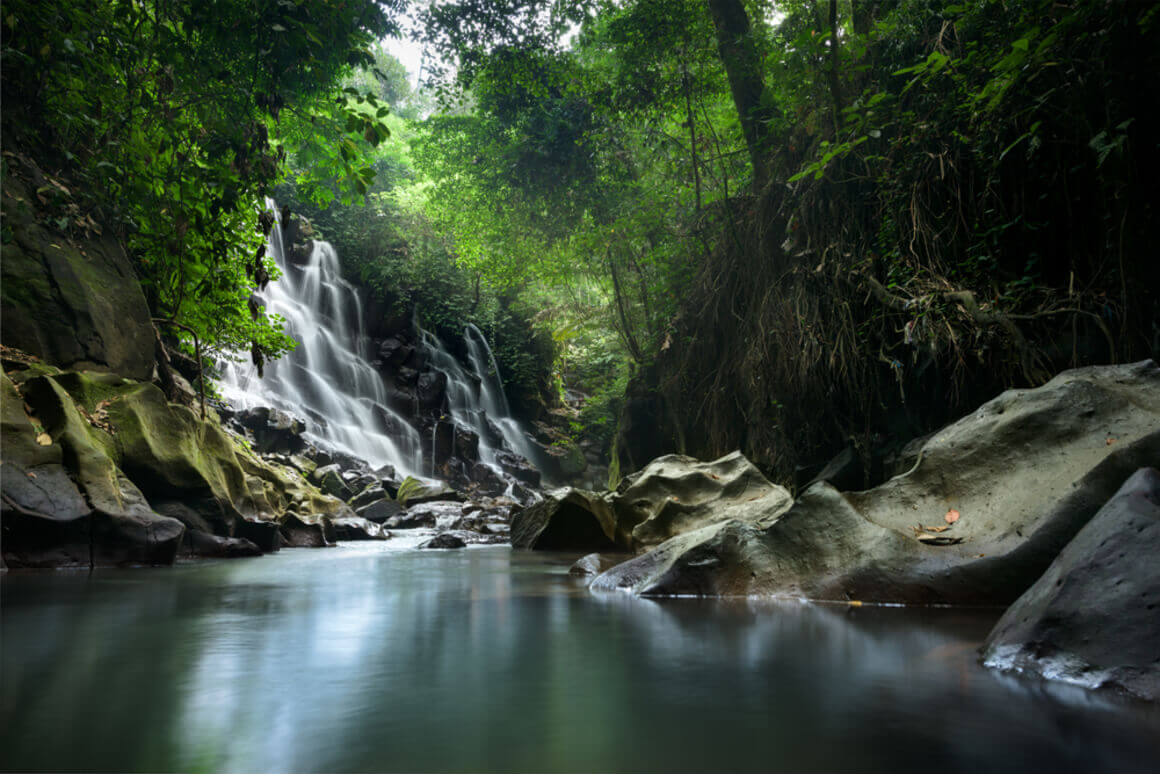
[[476, 398], [327, 379]]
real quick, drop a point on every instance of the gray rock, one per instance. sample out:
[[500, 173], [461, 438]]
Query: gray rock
[[208, 546], [1094, 616], [426, 515], [466, 444], [518, 468], [273, 430], [568, 520], [264, 534], [370, 494], [351, 527], [1024, 473], [675, 494], [300, 533], [445, 540], [379, 511]]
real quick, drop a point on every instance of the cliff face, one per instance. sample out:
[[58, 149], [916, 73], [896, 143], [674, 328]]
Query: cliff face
[[70, 300]]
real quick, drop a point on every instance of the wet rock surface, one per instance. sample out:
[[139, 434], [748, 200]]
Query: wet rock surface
[[1093, 618], [591, 565]]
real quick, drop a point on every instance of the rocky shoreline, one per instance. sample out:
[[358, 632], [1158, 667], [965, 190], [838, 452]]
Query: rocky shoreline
[[988, 505]]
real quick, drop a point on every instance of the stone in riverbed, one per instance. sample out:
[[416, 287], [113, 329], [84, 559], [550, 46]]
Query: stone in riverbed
[[425, 515], [414, 492], [350, 527], [207, 546], [298, 533], [444, 540], [379, 511], [264, 534], [1094, 616], [370, 494], [676, 494]]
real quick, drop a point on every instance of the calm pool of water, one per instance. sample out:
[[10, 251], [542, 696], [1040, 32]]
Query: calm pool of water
[[374, 657]]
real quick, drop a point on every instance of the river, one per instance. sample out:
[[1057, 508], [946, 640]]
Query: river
[[379, 657]]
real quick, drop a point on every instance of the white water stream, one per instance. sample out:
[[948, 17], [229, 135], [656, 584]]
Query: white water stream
[[327, 380], [474, 401]]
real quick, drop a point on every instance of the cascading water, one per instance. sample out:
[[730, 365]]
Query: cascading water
[[327, 377], [474, 400]]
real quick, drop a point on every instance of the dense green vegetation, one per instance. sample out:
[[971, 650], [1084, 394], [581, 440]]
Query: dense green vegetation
[[168, 121], [812, 224], [785, 227]]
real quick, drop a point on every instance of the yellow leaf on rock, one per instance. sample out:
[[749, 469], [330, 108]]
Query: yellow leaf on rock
[[44, 439]]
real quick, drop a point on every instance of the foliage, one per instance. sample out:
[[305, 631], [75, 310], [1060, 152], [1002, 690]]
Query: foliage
[[174, 118]]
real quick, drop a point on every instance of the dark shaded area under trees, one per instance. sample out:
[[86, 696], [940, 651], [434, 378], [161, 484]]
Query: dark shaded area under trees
[[942, 200]]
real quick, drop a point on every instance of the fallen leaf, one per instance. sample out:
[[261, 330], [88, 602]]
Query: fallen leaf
[[938, 540], [44, 439], [31, 474], [952, 516], [1110, 441]]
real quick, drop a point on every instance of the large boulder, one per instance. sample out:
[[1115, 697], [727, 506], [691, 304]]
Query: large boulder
[[64, 500], [1094, 617], [379, 510], [414, 491], [989, 503], [518, 468], [147, 468], [675, 494], [75, 305], [568, 520], [328, 479]]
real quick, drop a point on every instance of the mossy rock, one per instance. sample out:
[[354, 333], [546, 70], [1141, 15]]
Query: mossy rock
[[78, 305], [414, 491], [134, 454], [121, 527]]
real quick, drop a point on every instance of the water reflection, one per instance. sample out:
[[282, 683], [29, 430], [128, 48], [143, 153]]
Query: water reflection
[[373, 658]]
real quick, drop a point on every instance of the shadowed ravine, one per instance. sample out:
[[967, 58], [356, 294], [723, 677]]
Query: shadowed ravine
[[376, 657]]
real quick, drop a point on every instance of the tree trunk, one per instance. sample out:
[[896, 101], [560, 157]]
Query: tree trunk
[[746, 83]]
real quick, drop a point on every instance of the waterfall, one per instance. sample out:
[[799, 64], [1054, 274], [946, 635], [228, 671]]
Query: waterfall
[[477, 398], [327, 379]]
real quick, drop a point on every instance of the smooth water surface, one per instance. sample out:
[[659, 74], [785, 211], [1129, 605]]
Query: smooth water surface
[[374, 657]]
